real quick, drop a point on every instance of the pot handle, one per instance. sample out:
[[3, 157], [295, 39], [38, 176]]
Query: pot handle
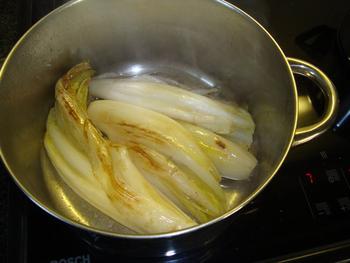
[[307, 133]]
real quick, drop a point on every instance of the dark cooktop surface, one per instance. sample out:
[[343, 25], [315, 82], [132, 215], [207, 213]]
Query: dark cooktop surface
[[303, 214]]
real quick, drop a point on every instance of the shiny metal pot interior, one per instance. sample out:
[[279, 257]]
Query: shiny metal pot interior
[[202, 42]]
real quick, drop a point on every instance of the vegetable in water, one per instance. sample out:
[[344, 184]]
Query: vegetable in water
[[232, 160], [176, 103], [102, 173], [179, 185], [150, 155], [129, 124]]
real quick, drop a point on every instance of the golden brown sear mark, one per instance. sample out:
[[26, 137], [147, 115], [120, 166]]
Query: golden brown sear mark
[[146, 156], [156, 137], [220, 143], [70, 109], [120, 190]]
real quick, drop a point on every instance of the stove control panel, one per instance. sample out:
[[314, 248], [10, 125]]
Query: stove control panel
[[325, 184]]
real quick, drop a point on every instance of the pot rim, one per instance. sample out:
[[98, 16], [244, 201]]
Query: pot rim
[[167, 234]]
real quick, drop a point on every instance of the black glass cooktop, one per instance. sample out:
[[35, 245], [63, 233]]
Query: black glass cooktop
[[303, 214]]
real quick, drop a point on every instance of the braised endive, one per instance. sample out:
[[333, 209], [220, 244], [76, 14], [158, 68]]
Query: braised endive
[[129, 124], [176, 103], [179, 185], [100, 172], [232, 160]]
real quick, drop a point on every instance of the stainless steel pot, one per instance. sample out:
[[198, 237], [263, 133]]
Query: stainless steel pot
[[202, 42]]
